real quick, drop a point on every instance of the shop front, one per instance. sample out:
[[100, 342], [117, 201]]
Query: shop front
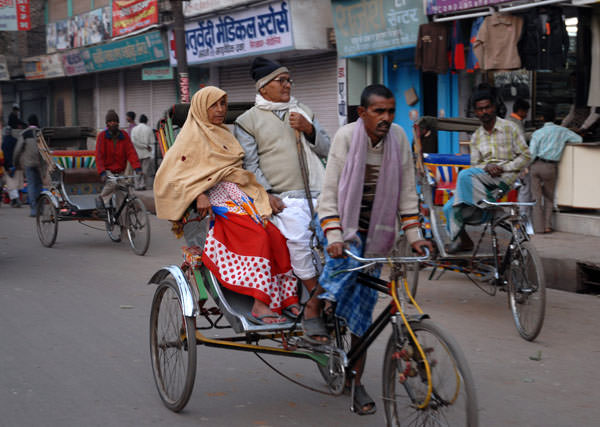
[[221, 44], [376, 41]]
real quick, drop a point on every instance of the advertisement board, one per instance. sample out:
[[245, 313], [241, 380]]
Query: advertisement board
[[259, 29], [133, 15], [15, 15], [435, 7]]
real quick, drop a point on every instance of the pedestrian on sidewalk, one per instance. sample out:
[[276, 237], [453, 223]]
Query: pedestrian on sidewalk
[[130, 117], [142, 137], [28, 156], [14, 176], [518, 116], [546, 147]]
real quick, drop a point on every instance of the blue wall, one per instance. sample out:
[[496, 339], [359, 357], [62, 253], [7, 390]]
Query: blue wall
[[447, 99]]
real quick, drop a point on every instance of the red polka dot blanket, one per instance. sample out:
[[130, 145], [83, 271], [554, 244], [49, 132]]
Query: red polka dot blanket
[[246, 254]]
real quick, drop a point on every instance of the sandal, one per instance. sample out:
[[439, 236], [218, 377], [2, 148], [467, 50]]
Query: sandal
[[260, 320], [289, 313], [315, 327], [362, 399]]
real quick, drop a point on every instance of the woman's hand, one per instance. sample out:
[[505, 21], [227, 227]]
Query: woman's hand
[[203, 205]]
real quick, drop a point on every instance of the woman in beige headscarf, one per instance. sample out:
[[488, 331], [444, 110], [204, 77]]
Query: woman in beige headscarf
[[203, 171]]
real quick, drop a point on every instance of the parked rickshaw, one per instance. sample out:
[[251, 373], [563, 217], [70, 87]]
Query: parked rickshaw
[[71, 196], [503, 259]]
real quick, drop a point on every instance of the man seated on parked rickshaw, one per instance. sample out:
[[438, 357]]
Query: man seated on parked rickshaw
[[113, 149], [368, 193], [202, 174], [498, 153]]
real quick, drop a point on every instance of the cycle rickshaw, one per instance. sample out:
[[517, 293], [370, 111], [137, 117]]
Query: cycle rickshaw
[[426, 379], [71, 196], [504, 258]]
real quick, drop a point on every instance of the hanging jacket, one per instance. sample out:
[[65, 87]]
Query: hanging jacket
[[496, 43], [472, 61], [431, 54], [544, 43]]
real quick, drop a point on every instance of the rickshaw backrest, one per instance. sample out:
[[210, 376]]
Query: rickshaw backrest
[[79, 175], [445, 168]]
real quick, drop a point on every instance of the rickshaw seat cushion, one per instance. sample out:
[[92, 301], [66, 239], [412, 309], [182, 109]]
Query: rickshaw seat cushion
[[81, 176], [192, 255]]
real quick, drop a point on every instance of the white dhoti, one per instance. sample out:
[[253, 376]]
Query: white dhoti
[[293, 222]]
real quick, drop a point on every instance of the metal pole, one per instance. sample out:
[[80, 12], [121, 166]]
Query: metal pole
[[180, 52]]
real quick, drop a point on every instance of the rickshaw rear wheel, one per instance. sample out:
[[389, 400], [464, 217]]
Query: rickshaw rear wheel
[[46, 220], [138, 226], [172, 346]]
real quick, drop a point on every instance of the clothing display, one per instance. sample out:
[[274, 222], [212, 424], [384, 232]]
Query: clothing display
[[472, 61], [431, 54], [496, 42], [545, 42], [457, 47]]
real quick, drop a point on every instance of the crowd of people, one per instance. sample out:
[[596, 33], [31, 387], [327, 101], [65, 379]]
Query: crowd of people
[[253, 198]]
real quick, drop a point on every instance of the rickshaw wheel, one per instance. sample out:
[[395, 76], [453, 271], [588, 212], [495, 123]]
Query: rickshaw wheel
[[46, 220], [334, 373], [138, 227], [114, 230], [172, 346]]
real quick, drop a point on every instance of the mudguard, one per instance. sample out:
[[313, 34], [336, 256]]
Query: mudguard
[[51, 196], [189, 304]]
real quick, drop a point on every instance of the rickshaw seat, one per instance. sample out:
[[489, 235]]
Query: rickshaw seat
[[81, 176]]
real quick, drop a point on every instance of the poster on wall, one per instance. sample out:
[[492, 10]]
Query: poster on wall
[[132, 15], [15, 15], [435, 7], [43, 67], [81, 30], [342, 92], [73, 63], [4, 74], [261, 29], [367, 26]]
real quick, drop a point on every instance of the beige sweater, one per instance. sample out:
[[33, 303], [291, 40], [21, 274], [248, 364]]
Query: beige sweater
[[328, 201]]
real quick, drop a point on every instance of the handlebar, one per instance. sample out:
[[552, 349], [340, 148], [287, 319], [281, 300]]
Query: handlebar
[[119, 177], [510, 204], [400, 260]]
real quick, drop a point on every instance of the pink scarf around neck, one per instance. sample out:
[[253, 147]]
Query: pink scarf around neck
[[382, 225]]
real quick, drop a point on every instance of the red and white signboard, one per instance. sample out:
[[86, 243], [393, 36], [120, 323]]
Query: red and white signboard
[[14, 15], [132, 15]]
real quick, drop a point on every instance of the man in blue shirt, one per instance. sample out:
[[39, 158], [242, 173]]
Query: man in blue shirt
[[546, 147]]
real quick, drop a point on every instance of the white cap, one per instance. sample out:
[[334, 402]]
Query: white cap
[[15, 105]]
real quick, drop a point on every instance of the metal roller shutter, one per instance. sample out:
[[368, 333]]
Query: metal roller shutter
[[315, 84], [108, 96], [85, 100], [149, 97]]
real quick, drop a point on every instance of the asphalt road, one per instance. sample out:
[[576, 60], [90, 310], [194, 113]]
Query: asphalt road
[[74, 346]]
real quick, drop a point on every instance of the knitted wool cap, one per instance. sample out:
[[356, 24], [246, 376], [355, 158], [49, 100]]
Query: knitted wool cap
[[112, 116], [264, 70]]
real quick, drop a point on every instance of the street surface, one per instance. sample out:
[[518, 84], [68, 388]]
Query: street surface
[[74, 352]]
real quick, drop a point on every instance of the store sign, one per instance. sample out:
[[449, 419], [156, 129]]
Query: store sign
[[157, 72], [435, 7], [43, 67], [15, 15], [73, 63], [255, 30], [81, 30], [367, 26], [4, 74], [582, 2], [147, 47], [133, 15]]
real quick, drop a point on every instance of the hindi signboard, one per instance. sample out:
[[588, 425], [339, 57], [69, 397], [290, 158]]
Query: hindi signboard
[[15, 15], [261, 29], [73, 63], [147, 47], [435, 7], [196, 7], [133, 15], [368, 26], [43, 67], [157, 72]]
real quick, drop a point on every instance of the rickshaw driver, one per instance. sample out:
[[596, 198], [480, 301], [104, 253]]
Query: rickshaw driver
[[498, 153], [113, 149], [368, 193]]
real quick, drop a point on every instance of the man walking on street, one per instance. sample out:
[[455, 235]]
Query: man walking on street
[[547, 145], [130, 117], [268, 134], [498, 154], [142, 137], [28, 156], [14, 175], [113, 150], [518, 116]]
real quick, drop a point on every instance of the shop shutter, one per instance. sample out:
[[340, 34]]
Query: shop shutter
[[236, 81], [85, 100], [315, 84], [149, 97], [108, 96]]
